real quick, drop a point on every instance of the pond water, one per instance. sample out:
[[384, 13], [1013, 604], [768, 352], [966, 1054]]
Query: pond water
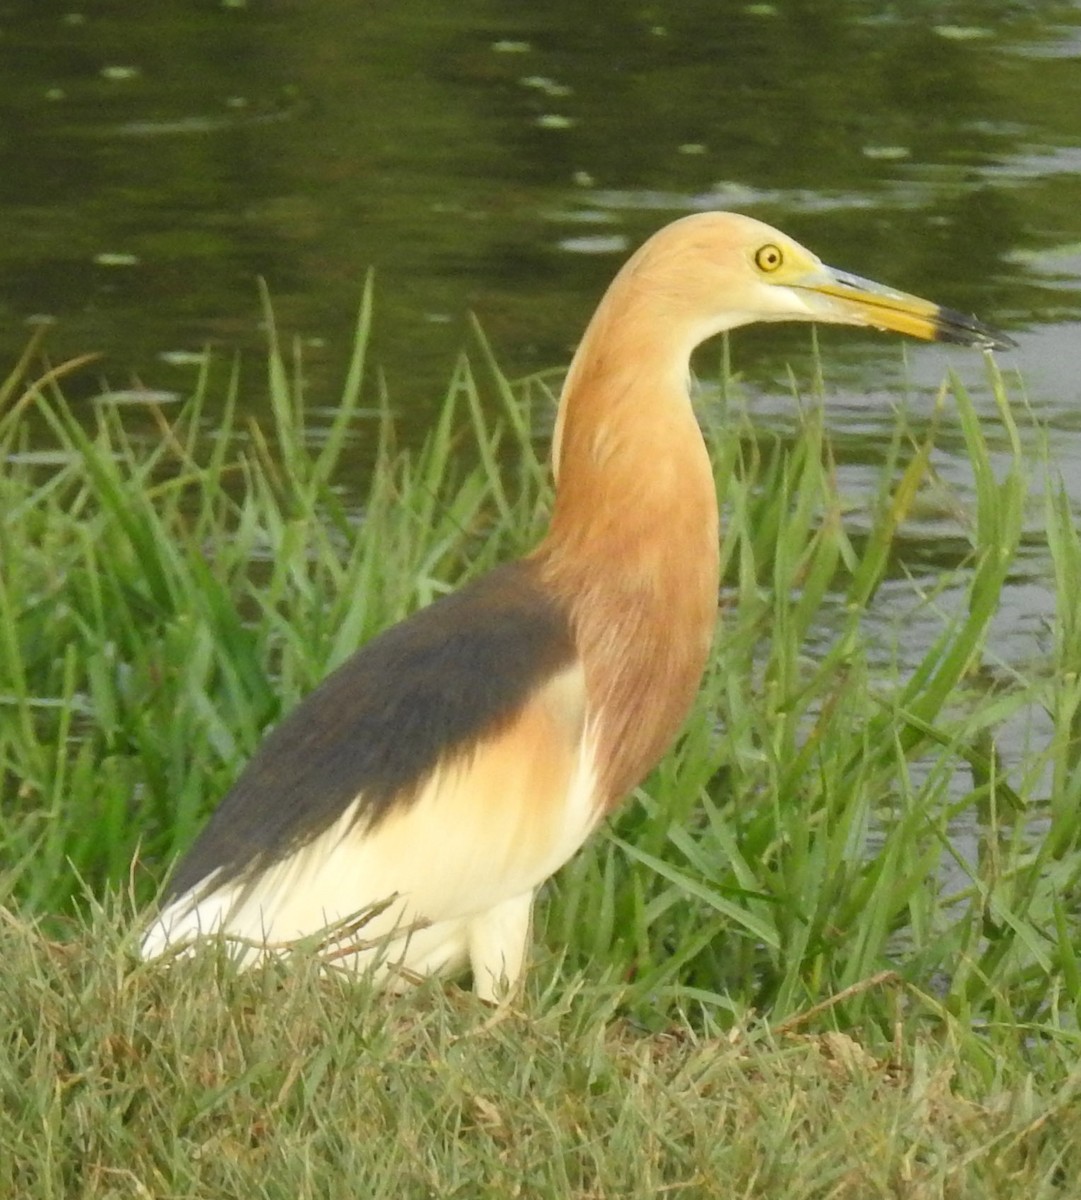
[[500, 158]]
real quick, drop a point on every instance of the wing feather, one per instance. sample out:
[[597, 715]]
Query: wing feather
[[483, 829], [447, 765]]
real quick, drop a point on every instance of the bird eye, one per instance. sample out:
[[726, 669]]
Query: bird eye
[[768, 258]]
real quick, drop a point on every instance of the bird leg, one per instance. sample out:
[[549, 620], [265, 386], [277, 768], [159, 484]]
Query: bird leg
[[497, 941]]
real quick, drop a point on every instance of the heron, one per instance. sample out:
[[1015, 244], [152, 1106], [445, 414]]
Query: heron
[[442, 773]]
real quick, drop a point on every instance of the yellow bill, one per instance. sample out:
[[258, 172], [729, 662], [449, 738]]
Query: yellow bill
[[851, 300]]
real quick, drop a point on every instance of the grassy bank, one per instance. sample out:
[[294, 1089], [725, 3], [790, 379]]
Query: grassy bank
[[125, 1080], [838, 915]]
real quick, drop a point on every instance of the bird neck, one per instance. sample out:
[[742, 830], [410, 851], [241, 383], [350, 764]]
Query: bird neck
[[632, 549]]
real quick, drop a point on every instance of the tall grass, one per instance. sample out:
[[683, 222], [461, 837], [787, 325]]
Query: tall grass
[[163, 601], [833, 841], [829, 827]]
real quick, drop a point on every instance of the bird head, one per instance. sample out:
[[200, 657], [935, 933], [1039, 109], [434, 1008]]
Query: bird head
[[717, 271]]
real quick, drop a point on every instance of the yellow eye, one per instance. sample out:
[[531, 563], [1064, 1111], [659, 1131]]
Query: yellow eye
[[768, 258]]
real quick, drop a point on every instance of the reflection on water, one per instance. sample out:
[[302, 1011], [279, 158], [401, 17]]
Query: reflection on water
[[498, 158]]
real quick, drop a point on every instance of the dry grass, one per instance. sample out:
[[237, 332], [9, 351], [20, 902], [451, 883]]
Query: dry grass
[[126, 1079]]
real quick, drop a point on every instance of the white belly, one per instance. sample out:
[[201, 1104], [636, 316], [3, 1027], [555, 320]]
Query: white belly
[[478, 836]]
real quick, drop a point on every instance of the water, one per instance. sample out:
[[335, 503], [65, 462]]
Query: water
[[502, 159]]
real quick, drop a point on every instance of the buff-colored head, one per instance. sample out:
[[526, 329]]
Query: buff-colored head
[[716, 271]]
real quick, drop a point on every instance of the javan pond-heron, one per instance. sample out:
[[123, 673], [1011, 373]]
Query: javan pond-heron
[[461, 757]]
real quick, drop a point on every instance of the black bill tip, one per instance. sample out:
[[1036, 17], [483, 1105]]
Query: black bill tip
[[963, 330]]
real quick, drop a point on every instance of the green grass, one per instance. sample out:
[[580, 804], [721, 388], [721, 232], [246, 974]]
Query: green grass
[[124, 1080], [831, 947]]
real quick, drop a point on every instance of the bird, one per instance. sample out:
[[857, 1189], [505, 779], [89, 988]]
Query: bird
[[433, 781]]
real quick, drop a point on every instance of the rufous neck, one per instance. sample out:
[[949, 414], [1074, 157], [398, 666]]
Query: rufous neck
[[632, 549]]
